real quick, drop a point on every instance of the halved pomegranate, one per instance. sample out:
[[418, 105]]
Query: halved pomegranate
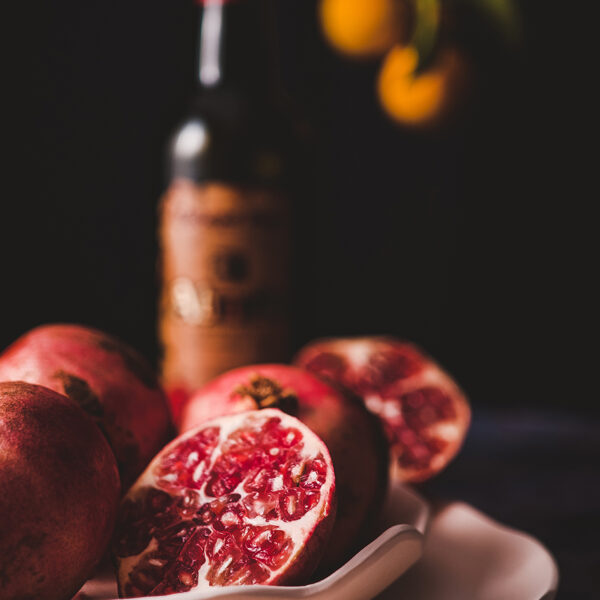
[[424, 412], [244, 499], [353, 436]]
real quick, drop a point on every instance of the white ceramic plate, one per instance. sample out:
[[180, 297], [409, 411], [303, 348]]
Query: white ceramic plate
[[373, 569], [470, 557]]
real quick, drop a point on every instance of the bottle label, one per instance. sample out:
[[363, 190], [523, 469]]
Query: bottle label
[[225, 267]]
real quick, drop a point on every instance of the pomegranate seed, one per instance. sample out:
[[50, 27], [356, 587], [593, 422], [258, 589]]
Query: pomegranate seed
[[222, 483], [328, 364], [291, 504], [314, 475]]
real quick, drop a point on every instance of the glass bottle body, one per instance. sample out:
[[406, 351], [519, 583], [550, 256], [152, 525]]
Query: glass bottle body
[[225, 227]]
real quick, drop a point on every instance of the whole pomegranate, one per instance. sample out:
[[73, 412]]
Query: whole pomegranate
[[243, 499], [59, 494], [107, 378], [424, 412], [354, 438]]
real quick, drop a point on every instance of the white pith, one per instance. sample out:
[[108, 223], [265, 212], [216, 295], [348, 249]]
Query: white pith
[[299, 530], [359, 352]]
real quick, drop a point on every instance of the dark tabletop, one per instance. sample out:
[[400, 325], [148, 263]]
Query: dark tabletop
[[538, 472]]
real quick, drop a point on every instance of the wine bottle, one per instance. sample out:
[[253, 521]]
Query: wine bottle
[[224, 220]]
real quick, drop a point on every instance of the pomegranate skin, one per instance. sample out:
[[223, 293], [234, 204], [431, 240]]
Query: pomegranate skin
[[59, 494], [107, 378], [352, 434]]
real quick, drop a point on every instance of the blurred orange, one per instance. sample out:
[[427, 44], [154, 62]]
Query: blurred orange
[[421, 99], [363, 28]]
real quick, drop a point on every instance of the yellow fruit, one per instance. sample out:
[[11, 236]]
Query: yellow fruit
[[363, 27], [420, 99]]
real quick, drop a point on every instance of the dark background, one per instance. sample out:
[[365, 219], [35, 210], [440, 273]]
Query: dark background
[[452, 240], [472, 242]]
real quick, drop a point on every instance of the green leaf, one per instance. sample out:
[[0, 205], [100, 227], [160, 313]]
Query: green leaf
[[427, 13]]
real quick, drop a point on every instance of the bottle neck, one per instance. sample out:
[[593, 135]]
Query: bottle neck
[[235, 46]]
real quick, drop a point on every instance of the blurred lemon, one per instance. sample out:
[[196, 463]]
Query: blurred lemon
[[421, 98], [364, 28]]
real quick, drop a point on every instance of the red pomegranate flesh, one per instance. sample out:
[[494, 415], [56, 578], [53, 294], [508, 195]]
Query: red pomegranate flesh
[[353, 436], [59, 494], [243, 499], [425, 414], [107, 378]]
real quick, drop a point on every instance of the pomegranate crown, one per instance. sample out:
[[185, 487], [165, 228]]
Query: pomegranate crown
[[267, 393]]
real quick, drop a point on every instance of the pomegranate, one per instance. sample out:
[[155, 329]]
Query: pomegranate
[[59, 494], [107, 378], [424, 413], [354, 438], [243, 499]]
